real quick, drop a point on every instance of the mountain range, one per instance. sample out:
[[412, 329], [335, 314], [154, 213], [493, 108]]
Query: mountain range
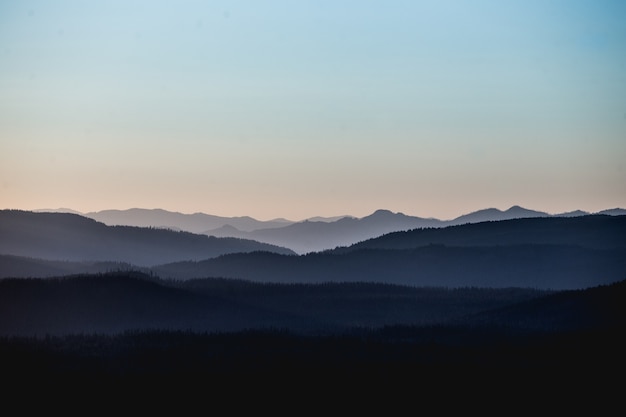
[[311, 235], [70, 237], [123, 301], [541, 252], [116, 328], [86, 301]]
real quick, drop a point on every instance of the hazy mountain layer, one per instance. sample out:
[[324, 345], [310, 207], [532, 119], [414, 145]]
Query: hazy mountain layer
[[62, 236], [123, 301], [305, 237], [537, 266], [548, 253], [314, 234], [194, 223], [592, 231]]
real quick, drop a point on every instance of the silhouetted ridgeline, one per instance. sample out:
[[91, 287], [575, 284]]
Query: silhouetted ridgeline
[[537, 266], [547, 253], [69, 237], [511, 330], [313, 236], [121, 301], [22, 267], [194, 223], [594, 232]]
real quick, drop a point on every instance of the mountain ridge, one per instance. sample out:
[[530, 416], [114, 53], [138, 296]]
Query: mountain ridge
[[316, 233], [66, 236]]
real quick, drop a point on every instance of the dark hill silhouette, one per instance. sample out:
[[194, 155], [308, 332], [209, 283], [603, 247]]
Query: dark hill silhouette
[[555, 252], [114, 303], [493, 214], [614, 212], [62, 236], [593, 231], [313, 236], [194, 223], [551, 253], [574, 213], [537, 266], [22, 267], [505, 336], [592, 309], [122, 301]]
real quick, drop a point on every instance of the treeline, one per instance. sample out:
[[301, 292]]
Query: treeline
[[416, 352], [119, 301], [123, 301], [555, 267]]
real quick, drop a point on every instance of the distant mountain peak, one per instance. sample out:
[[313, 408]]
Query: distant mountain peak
[[613, 212], [383, 212]]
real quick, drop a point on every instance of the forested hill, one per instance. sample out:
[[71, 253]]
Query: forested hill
[[70, 237], [123, 301], [592, 231], [536, 266]]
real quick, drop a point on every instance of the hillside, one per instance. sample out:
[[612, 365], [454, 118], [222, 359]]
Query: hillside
[[69, 237], [194, 223], [313, 236], [592, 231], [536, 266], [123, 301], [436, 334]]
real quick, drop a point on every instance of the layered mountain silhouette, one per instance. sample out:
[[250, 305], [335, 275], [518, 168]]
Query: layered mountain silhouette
[[194, 223], [70, 237], [591, 231], [547, 253], [82, 299], [123, 301], [313, 234], [96, 327], [550, 253]]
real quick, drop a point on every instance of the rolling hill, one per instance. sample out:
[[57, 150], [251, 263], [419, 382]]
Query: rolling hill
[[70, 237]]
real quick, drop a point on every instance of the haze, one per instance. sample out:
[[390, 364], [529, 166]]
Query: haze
[[313, 108]]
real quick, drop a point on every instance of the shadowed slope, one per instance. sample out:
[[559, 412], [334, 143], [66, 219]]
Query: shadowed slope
[[63, 236]]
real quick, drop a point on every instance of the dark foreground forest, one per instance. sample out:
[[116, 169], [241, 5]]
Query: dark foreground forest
[[361, 330]]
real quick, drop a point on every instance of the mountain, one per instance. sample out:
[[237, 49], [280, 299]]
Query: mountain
[[314, 236], [593, 231], [533, 266], [575, 213], [493, 214], [614, 212], [69, 237], [12, 266], [594, 308], [543, 252], [194, 223], [327, 219], [311, 235], [124, 301], [113, 328], [546, 253], [59, 210]]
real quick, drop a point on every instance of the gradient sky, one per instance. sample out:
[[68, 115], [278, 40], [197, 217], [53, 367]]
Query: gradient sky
[[303, 108]]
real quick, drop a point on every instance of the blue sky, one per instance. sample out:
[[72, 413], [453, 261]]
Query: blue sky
[[297, 109]]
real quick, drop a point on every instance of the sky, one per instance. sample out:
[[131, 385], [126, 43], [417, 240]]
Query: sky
[[290, 109]]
